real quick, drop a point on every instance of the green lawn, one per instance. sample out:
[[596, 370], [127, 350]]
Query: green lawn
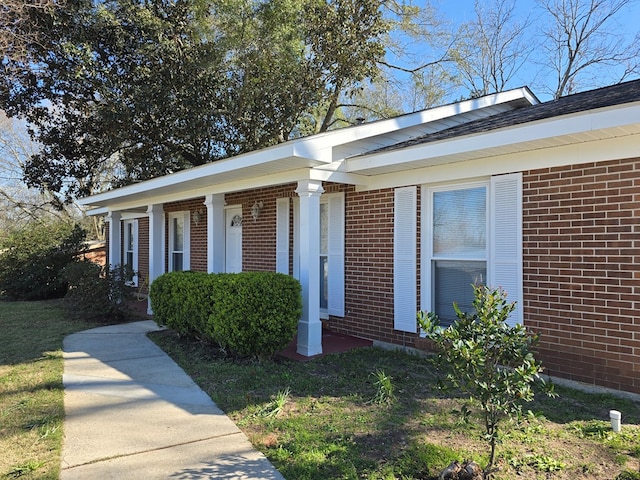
[[332, 424], [31, 393]]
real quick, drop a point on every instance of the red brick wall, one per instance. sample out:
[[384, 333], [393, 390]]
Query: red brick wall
[[581, 230], [96, 254], [581, 270], [259, 236], [368, 255], [369, 268], [198, 252]]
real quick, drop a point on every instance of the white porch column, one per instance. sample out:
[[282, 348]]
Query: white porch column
[[215, 232], [115, 238], [156, 241], [310, 326]]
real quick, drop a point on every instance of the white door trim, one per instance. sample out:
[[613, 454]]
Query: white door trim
[[231, 209]]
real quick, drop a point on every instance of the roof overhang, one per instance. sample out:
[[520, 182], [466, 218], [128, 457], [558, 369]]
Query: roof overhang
[[285, 162], [308, 158], [587, 126]]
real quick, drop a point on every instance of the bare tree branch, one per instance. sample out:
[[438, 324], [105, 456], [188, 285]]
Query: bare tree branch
[[493, 47], [445, 57], [582, 36], [16, 30], [19, 204]]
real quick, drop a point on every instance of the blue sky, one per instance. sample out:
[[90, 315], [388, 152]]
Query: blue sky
[[457, 12], [463, 10]]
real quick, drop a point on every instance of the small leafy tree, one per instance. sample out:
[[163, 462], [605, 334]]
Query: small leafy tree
[[490, 360]]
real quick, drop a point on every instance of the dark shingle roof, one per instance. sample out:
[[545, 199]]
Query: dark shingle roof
[[590, 100]]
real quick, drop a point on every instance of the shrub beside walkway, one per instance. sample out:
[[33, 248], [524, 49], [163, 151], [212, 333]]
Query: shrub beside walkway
[[131, 412]]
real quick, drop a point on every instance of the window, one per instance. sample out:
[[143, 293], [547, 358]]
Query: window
[[129, 243], [331, 257], [471, 234], [179, 242], [458, 253], [131, 247], [324, 256]]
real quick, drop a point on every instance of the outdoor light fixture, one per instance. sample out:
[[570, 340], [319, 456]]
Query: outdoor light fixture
[[256, 209], [197, 216]]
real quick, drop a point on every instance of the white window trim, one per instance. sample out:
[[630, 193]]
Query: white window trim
[[134, 266], [186, 240], [324, 312], [426, 296], [426, 239], [335, 253], [336, 207]]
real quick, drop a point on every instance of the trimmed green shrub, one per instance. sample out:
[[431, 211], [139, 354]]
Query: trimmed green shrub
[[96, 292], [250, 313], [183, 301], [32, 259], [255, 313]]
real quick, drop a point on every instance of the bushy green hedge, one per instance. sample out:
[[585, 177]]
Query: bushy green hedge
[[250, 313], [183, 301], [255, 313], [98, 292], [32, 259]]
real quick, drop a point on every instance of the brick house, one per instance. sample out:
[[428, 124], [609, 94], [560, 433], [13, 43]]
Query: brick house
[[382, 219]]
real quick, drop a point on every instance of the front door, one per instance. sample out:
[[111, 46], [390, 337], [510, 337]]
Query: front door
[[233, 240]]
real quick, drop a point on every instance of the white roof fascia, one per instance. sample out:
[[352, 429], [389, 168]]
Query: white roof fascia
[[380, 127], [280, 178], [582, 122], [151, 197], [338, 176], [131, 215], [557, 156], [97, 211], [125, 215], [287, 153]]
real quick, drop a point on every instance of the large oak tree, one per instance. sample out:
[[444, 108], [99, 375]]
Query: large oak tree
[[141, 88]]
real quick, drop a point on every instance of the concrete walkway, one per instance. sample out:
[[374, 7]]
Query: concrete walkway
[[132, 413]]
